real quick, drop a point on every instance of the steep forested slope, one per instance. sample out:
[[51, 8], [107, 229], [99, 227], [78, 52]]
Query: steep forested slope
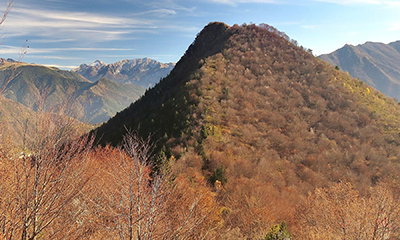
[[103, 98], [265, 122]]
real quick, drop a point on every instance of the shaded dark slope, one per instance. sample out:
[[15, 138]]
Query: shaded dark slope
[[102, 99], [374, 63], [165, 109]]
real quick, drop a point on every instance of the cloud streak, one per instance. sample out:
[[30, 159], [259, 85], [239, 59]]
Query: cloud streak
[[235, 2], [348, 2], [69, 26], [362, 2], [341, 2], [12, 50], [75, 26]]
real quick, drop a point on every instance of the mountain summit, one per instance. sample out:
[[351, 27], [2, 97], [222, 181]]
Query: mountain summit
[[144, 72], [374, 63], [264, 122], [96, 64]]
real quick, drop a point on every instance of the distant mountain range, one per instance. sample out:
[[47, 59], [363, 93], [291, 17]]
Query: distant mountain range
[[377, 64], [144, 72], [7, 60], [37, 86]]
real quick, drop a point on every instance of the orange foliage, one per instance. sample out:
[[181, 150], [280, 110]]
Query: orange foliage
[[341, 212]]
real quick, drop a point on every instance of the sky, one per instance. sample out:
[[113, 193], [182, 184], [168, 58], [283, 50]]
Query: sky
[[67, 33]]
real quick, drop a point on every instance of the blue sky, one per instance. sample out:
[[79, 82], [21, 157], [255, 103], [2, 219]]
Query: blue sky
[[66, 33]]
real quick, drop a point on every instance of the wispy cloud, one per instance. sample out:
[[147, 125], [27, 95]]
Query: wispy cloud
[[5, 49], [235, 2], [91, 49], [52, 26], [54, 40], [311, 27], [350, 2], [341, 2], [71, 26], [35, 56], [161, 11], [172, 6]]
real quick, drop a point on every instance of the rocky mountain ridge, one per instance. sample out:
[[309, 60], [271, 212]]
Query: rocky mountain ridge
[[374, 63], [144, 72]]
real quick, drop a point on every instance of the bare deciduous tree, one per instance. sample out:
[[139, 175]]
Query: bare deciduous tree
[[24, 50], [139, 198], [139, 203], [341, 213], [43, 180]]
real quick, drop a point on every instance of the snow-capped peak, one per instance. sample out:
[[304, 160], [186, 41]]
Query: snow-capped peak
[[98, 63]]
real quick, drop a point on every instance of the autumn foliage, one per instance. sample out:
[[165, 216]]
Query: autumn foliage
[[63, 187], [251, 137], [340, 212]]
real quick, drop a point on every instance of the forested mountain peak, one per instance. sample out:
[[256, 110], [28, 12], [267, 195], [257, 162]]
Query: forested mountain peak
[[265, 122]]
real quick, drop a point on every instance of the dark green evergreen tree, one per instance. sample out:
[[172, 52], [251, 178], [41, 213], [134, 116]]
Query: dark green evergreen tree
[[279, 232]]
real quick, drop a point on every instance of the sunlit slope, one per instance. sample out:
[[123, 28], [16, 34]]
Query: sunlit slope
[[374, 63], [38, 86]]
